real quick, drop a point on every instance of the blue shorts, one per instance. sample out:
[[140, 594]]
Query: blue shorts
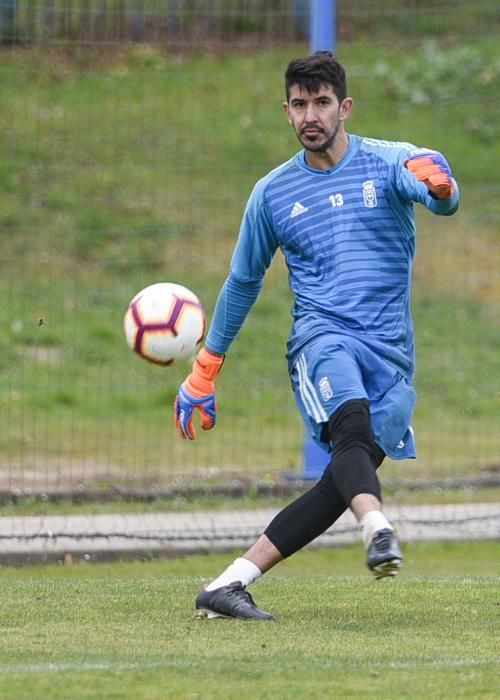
[[334, 369]]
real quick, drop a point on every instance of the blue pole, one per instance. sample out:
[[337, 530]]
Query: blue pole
[[322, 28], [322, 25]]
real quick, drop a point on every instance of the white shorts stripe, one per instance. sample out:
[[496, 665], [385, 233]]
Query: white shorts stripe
[[308, 393]]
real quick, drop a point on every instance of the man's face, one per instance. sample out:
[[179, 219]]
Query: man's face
[[315, 116]]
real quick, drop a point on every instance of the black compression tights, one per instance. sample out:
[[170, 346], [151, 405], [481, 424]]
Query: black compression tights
[[351, 471]]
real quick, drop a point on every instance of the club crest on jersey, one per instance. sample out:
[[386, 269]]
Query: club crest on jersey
[[369, 194]]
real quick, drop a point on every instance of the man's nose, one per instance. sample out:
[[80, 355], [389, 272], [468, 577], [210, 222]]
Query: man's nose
[[310, 115]]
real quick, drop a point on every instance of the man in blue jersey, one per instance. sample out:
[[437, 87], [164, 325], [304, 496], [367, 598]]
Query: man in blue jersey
[[341, 211]]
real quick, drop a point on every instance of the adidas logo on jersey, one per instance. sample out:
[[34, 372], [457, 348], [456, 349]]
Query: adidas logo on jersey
[[297, 210]]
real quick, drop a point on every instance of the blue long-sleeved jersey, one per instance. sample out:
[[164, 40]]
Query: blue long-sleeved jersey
[[348, 237]]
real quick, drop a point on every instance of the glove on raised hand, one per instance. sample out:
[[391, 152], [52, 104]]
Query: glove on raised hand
[[431, 168], [198, 392]]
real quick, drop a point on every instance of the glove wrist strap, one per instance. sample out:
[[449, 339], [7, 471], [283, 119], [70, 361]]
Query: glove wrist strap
[[206, 367]]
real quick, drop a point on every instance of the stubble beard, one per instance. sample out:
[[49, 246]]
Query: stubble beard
[[323, 147]]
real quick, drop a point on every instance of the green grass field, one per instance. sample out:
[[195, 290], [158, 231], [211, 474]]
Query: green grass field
[[126, 631], [125, 165]]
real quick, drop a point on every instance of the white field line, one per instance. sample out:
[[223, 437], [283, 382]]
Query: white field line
[[83, 667], [51, 667]]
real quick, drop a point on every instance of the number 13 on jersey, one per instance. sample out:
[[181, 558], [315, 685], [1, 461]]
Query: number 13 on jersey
[[336, 200]]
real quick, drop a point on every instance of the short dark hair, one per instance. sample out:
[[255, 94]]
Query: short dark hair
[[310, 72]]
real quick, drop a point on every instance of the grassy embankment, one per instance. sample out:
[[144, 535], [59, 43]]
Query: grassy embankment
[[119, 171]]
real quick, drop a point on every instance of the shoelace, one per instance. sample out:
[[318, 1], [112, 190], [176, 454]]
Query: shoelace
[[383, 538], [241, 593]]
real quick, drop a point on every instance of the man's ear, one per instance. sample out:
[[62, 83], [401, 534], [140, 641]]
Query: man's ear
[[345, 108], [285, 109]]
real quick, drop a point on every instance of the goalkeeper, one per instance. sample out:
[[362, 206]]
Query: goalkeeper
[[341, 211]]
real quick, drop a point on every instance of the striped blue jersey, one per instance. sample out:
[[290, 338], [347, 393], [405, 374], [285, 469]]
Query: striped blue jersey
[[348, 238]]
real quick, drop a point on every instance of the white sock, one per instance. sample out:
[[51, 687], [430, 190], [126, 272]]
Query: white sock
[[240, 570], [370, 523]]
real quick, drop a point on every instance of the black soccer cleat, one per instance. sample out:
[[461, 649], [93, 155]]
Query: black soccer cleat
[[384, 555], [229, 601]]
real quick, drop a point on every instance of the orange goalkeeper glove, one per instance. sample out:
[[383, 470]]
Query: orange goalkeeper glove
[[198, 392], [431, 168]]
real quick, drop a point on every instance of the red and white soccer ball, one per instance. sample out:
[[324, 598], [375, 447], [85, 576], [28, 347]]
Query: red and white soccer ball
[[164, 322]]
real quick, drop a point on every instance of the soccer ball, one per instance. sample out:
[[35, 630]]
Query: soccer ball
[[164, 322]]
